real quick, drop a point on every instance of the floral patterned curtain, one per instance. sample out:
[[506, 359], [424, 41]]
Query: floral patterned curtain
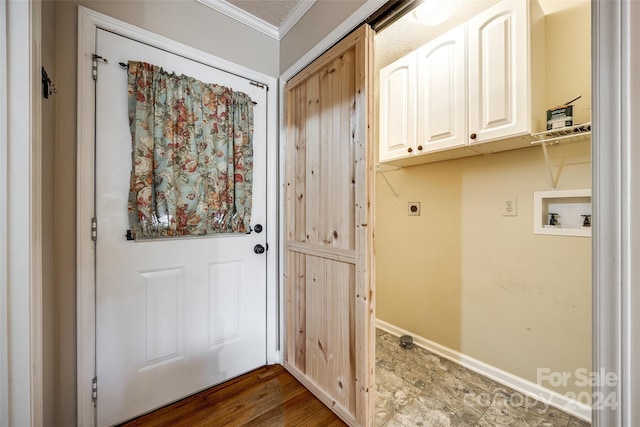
[[192, 155]]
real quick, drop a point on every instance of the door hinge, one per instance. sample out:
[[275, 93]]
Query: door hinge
[[94, 69], [94, 389], [94, 229]]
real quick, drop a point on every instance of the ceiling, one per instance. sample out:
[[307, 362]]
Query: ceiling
[[276, 17], [272, 17], [411, 31]]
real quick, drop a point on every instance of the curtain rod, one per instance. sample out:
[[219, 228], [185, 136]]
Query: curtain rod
[[126, 67]]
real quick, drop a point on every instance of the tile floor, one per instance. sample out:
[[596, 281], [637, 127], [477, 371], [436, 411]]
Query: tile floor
[[418, 388]]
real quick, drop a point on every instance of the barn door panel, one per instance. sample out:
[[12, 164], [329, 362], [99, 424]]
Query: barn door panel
[[329, 297]]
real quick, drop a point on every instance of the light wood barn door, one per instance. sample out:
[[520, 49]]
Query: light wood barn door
[[329, 290]]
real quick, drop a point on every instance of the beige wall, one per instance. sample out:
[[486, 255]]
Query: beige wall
[[323, 17], [468, 278], [568, 61], [64, 397], [183, 20]]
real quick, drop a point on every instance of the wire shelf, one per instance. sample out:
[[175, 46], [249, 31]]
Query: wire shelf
[[568, 134]]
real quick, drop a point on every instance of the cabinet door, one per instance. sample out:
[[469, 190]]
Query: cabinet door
[[499, 72], [442, 93], [397, 108]]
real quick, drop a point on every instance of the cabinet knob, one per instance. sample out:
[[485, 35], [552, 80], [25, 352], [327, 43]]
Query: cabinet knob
[[419, 147], [473, 136], [409, 149]]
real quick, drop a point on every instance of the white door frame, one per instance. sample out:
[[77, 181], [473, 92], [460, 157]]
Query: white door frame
[[88, 22], [616, 206], [20, 215]]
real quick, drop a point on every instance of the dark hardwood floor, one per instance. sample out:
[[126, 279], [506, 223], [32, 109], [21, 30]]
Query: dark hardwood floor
[[268, 396]]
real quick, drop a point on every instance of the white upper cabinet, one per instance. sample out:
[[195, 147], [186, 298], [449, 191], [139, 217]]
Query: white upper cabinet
[[506, 71], [442, 93], [477, 89], [398, 109]]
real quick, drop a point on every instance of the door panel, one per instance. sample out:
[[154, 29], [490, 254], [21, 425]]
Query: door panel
[[329, 297], [174, 316], [398, 108], [498, 72], [160, 317], [442, 92]]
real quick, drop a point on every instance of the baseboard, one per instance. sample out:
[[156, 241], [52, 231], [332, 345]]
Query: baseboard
[[526, 387]]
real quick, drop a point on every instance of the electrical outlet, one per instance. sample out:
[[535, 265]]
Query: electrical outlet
[[510, 206], [414, 209]]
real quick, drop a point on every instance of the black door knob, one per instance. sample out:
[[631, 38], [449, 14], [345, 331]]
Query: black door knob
[[257, 228], [259, 249]]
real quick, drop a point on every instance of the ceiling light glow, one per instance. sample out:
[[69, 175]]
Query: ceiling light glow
[[434, 12]]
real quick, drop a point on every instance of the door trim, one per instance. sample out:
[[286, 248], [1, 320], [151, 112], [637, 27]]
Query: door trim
[[615, 160], [88, 22], [21, 304]]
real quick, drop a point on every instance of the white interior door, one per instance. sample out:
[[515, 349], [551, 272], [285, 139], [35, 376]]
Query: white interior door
[[173, 316]]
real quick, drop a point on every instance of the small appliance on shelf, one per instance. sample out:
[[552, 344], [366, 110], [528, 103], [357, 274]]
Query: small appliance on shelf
[[561, 116]]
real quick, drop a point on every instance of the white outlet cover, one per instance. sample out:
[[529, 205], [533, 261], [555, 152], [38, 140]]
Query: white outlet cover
[[413, 209], [510, 206]]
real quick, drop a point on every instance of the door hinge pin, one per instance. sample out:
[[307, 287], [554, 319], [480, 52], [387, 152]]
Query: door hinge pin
[[94, 389], [94, 229], [94, 69]]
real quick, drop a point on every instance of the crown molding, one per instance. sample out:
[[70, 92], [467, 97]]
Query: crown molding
[[240, 15], [258, 24], [294, 16]]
